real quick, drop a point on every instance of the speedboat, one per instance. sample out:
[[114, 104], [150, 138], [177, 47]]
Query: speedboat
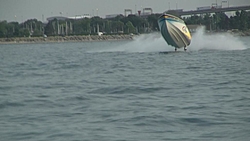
[[174, 31]]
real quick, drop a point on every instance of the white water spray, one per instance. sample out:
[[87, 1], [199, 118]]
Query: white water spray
[[147, 43], [215, 41], [200, 41]]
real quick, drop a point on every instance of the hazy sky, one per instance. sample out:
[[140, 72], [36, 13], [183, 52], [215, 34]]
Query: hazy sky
[[21, 10]]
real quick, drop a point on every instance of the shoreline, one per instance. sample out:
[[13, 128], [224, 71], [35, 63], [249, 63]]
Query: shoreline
[[91, 38], [59, 39]]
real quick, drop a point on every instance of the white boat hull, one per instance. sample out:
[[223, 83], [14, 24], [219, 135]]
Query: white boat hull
[[174, 31]]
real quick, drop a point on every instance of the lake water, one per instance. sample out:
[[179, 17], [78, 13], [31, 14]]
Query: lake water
[[126, 90]]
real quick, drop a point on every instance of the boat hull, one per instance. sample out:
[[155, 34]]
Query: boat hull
[[174, 31]]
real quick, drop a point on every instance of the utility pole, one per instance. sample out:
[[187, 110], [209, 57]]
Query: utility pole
[[66, 28], [42, 18], [97, 11], [22, 22], [58, 28], [135, 9]]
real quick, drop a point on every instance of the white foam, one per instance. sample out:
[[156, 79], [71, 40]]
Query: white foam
[[200, 41], [147, 43]]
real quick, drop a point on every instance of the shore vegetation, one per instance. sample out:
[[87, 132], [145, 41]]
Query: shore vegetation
[[132, 24]]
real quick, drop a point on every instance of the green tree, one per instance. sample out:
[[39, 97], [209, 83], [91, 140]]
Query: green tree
[[207, 21], [153, 21], [130, 27], [50, 29], [82, 27], [243, 20], [3, 30], [96, 21], [24, 32]]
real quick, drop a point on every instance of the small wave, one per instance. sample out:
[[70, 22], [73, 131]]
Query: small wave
[[10, 104], [129, 89], [195, 121]]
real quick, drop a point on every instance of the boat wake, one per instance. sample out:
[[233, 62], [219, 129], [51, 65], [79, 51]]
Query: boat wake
[[146, 43], [200, 41]]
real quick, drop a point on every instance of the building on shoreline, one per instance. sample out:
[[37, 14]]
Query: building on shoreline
[[62, 18]]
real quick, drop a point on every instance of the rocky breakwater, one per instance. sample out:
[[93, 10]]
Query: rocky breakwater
[[65, 39]]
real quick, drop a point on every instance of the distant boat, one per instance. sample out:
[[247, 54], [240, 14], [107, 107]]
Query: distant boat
[[174, 31]]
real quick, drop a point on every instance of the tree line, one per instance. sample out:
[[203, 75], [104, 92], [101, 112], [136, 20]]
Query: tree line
[[118, 25], [220, 21]]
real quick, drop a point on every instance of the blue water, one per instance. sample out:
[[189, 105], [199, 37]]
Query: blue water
[[126, 90]]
